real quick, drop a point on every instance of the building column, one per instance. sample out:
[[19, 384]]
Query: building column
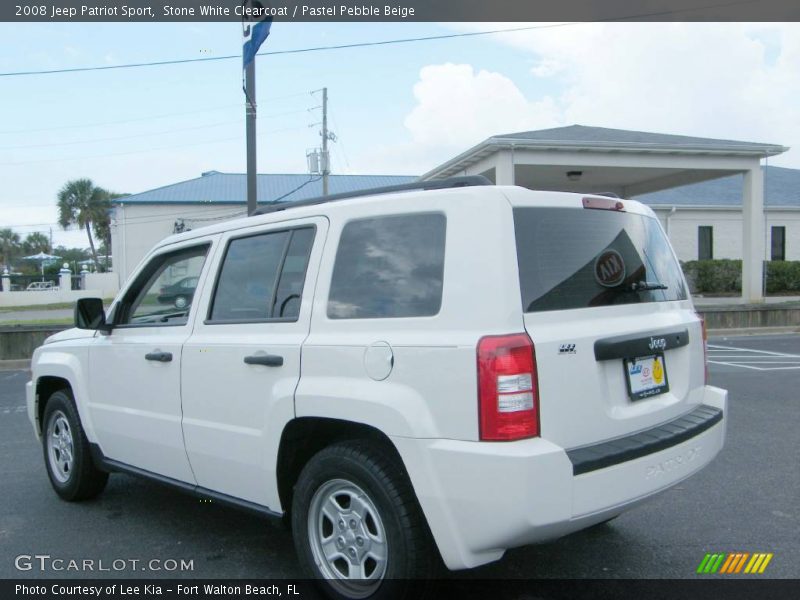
[[65, 278], [504, 168], [753, 235], [6, 280]]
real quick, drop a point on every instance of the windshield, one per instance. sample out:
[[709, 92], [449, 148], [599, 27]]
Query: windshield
[[578, 258]]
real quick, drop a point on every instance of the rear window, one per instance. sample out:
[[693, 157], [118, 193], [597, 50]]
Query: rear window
[[579, 258], [389, 267]]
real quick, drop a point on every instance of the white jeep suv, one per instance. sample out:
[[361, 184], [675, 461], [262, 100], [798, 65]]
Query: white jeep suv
[[442, 370]]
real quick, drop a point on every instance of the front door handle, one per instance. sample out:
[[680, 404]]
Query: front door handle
[[159, 356], [268, 360]]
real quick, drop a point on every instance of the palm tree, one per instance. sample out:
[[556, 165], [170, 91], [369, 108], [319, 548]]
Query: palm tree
[[36, 242], [9, 244], [102, 227], [82, 203]]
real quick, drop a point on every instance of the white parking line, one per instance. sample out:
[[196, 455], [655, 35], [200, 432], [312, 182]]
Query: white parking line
[[748, 358], [13, 409]]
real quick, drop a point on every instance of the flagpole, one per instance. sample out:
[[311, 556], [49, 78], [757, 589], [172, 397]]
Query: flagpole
[[250, 114]]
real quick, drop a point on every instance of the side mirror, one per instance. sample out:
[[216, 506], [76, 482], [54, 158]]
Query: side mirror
[[90, 314]]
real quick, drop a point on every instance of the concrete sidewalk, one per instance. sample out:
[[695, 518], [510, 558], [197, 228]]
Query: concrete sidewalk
[[703, 301], [36, 314]]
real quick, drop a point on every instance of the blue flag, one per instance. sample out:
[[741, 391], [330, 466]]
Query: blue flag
[[255, 31]]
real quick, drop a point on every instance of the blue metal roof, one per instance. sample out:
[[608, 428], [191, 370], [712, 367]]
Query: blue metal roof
[[231, 188], [582, 134], [781, 188]]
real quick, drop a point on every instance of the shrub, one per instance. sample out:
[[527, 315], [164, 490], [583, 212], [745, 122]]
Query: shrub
[[725, 276], [714, 276], [783, 276]]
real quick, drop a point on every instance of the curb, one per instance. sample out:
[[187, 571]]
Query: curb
[[15, 365], [754, 331]]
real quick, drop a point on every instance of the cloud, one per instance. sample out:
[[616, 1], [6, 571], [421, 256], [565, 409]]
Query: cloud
[[720, 80], [458, 106], [725, 80]]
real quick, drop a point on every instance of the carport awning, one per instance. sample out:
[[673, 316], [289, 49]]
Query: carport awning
[[609, 159], [627, 163]]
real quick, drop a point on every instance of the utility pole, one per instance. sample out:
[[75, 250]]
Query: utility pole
[[250, 114], [325, 160]]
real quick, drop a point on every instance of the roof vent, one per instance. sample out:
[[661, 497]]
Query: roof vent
[[207, 173]]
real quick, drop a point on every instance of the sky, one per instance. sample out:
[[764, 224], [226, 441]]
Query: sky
[[396, 109]]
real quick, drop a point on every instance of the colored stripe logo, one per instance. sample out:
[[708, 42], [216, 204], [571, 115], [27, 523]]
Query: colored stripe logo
[[731, 563]]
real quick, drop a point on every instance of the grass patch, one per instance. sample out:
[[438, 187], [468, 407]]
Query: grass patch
[[65, 321], [54, 306]]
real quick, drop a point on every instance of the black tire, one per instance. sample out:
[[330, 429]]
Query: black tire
[[602, 524], [412, 559], [82, 480], [180, 302]]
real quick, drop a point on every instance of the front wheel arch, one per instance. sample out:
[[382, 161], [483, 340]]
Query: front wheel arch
[[83, 479], [46, 386]]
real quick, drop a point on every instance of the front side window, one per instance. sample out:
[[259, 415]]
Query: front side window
[[164, 291], [262, 277], [389, 267]]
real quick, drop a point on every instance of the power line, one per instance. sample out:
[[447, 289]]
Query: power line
[[149, 134], [339, 143], [302, 185], [160, 116], [141, 219], [123, 137], [151, 149], [204, 59], [104, 123], [428, 38]]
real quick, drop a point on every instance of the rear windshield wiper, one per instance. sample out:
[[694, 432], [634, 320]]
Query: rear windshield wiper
[[644, 286]]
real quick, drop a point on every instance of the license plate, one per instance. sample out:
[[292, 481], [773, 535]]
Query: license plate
[[646, 376]]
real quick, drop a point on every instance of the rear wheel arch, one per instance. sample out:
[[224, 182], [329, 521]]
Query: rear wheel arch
[[355, 514], [304, 437]]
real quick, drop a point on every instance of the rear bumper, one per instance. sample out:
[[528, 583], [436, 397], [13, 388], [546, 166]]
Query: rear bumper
[[482, 498]]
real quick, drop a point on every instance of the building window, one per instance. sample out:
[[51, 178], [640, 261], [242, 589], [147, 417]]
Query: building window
[[705, 242], [778, 243]]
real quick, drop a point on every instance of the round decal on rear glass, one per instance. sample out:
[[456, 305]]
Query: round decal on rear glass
[[609, 268]]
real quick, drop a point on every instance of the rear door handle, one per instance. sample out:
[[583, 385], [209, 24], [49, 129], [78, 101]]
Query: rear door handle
[[159, 356], [268, 360]]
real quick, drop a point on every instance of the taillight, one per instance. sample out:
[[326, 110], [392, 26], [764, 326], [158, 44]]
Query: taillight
[[508, 397], [705, 347]]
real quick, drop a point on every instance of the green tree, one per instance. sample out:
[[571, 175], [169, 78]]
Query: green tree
[[36, 242], [82, 203], [9, 245], [102, 228]]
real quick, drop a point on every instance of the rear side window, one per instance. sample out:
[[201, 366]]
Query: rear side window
[[262, 277], [578, 258], [389, 267]]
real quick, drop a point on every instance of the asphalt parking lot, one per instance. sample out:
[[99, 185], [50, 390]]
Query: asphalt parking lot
[[748, 500]]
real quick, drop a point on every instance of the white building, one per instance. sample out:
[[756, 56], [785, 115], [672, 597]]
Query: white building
[[697, 186], [141, 220]]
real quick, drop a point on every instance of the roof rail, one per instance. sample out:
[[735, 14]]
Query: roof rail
[[436, 184]]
